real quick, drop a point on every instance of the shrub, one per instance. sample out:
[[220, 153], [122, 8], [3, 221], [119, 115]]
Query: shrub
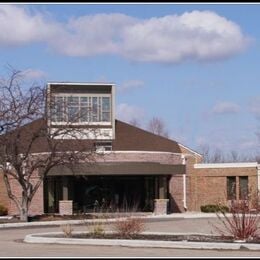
[[214, 208], [98, 229], [129, 227], [67, 230], [242, 224], [3, 210]]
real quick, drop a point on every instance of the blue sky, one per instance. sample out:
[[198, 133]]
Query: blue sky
[[196, 66]]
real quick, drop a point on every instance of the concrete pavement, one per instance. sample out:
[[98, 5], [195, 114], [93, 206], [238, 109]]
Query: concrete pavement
[[11, 244]]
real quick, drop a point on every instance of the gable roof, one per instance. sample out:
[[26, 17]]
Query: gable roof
[[127, 138], [131, 138]]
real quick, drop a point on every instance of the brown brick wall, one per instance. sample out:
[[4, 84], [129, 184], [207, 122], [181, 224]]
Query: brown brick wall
[[176, 193], [4, 200], [208, 186], [193, 157], [189, 181], [161, 157], [203, 186], [36, 206]]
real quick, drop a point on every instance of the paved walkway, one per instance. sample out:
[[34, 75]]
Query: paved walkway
[[11, 244]]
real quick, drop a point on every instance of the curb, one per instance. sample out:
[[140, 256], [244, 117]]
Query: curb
[[78, 222], [36, 238], [57, 223]]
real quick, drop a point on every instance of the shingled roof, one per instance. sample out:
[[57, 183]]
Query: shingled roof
[[127, 138], [131, 138]]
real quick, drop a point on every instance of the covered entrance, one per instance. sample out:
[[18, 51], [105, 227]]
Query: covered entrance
[[109, 186], [104, 193]]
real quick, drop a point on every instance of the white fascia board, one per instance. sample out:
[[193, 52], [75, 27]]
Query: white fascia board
[[124, 151], [225, 165], [81, 83], [150, 152], [190, 149]]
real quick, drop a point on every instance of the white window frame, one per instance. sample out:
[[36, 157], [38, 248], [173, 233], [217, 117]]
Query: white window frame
[[101, 146], [99, 95]]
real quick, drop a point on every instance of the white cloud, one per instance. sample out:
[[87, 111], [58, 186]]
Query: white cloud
[[130, 85], [197, 35], [34, 74], [92, 35], [19, 26], [127, 112], [222, 108]]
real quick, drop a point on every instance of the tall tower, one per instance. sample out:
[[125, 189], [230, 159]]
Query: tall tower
[[89, 107]]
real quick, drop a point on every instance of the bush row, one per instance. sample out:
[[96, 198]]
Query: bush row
[[3, 210], [214, 208]]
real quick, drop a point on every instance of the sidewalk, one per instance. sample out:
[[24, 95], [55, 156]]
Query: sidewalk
[[186, 215]]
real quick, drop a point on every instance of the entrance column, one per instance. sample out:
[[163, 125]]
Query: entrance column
[[161, 203], [65, 189], [162, 187], [65, 205]]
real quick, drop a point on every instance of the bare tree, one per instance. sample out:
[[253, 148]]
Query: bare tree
[[157, 126], [218, 156], [234, 156], [23, 130], [205, 152]]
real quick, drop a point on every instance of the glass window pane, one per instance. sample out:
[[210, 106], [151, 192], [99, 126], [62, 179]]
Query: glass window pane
[[94, 109], [106, 104], [84, 101], [99, 109], [105, 109], [243, 187], [73, 101], [105, 116], [231, 187], [73, 114], [58, 109], [59, 116], [84, 114]]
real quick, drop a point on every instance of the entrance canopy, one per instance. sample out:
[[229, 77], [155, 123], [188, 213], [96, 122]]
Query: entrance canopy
[[118, 168]]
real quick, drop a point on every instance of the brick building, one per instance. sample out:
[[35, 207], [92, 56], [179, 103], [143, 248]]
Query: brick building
[[137, 168]]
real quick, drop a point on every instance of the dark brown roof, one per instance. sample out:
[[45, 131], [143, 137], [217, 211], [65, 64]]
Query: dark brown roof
[[128, 137], [119, 168]]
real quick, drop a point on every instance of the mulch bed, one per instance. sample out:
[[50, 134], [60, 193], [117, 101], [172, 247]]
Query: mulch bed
[[51, 217], [48, 217], [198, 238], [155, 237]]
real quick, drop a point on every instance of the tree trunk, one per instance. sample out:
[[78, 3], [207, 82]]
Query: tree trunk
[[24, 211]]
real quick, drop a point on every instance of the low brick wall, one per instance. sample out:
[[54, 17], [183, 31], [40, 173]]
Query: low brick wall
[[65, 207]]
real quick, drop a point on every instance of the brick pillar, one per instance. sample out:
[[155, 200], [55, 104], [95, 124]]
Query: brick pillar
[[65, 188], [66, 207], [161, 206]]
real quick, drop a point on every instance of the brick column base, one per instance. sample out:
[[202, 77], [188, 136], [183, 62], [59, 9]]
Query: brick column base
[[161, 206], [66, 207]]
